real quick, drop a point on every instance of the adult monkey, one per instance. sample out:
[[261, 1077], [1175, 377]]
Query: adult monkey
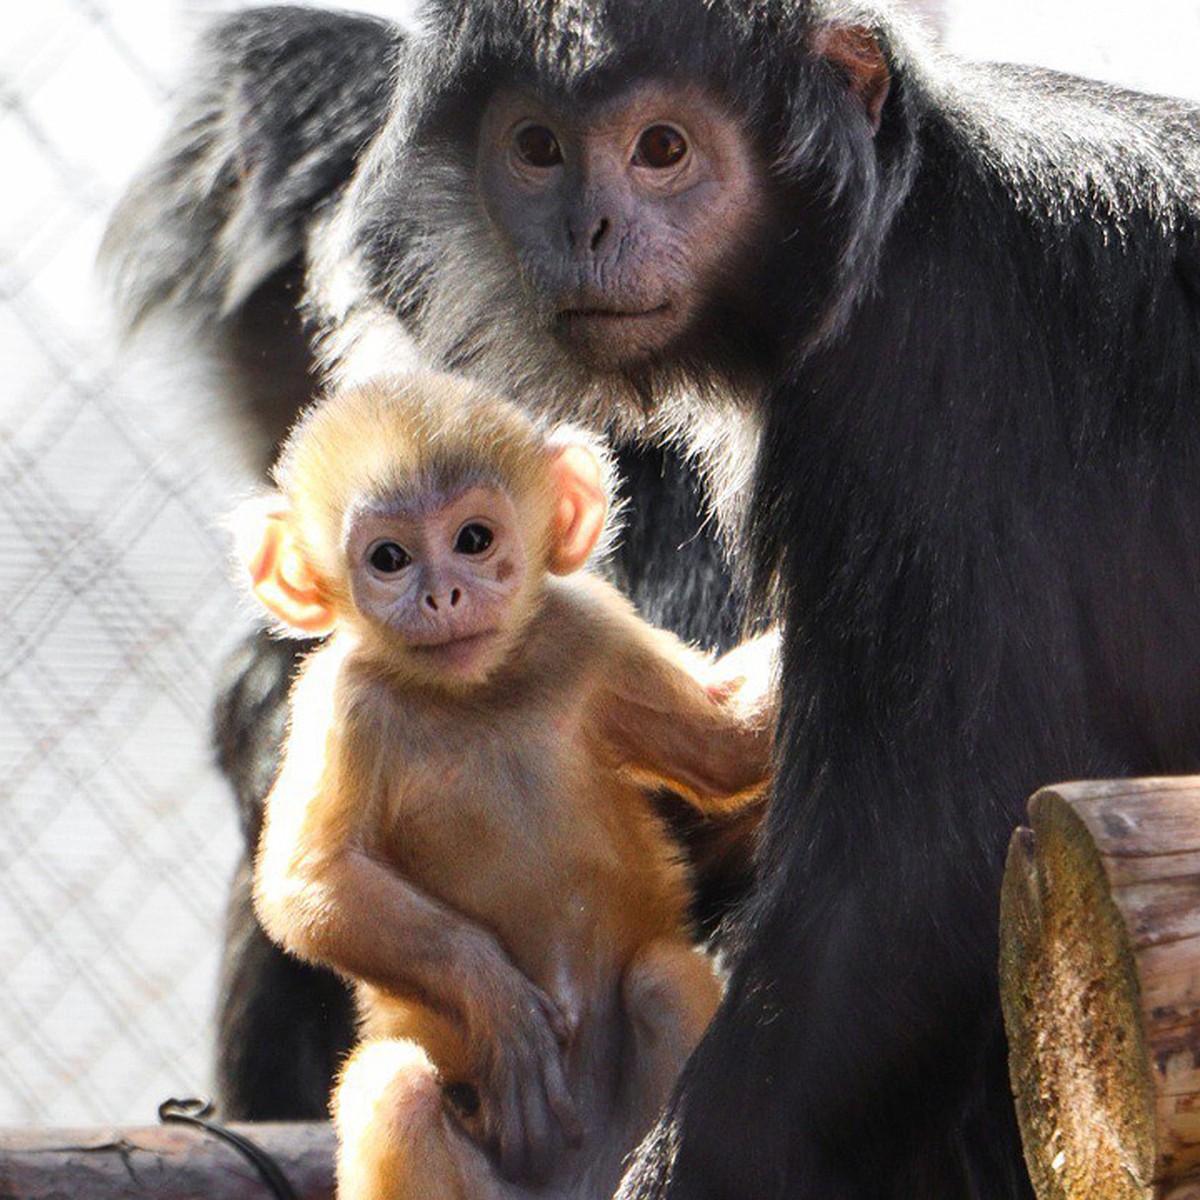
[[967, 315]]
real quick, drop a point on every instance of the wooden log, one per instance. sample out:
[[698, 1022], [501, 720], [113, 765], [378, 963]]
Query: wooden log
[[1100, 985], [170, 1162]]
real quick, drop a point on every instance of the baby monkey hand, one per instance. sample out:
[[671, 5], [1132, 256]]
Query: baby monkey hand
[[517, 1040], [746, 679]]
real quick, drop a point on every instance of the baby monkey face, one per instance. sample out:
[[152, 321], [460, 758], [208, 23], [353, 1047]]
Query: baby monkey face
[[442, 573]]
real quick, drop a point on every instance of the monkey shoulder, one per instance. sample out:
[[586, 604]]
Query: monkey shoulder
[[1071, 153], [340, 686], [590, 608], [314, 691], [583, 627]]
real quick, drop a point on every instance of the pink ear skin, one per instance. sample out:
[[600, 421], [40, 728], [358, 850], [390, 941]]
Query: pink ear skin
[[284, 583], [855, 52], [581, 507]]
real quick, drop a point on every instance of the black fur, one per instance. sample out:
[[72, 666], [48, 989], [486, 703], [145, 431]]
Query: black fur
[[216, 231], [282, 1025], [279, 105], [977, 502], [973, 342]]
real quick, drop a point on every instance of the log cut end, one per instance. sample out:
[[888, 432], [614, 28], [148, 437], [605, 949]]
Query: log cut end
[[1072, 1008]]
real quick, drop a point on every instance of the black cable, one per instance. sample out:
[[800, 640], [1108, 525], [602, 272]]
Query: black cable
[[195, 1111]]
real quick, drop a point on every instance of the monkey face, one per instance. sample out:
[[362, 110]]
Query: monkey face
[[623, 215], [442, 576]]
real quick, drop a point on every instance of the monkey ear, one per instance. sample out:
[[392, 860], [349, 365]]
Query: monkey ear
[[855, 51], [578, 476], [280, 577]]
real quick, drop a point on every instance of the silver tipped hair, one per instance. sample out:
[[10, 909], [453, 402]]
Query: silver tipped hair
[[477, 318]]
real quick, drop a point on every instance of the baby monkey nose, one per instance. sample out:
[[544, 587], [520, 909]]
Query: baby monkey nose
[[435, 601]]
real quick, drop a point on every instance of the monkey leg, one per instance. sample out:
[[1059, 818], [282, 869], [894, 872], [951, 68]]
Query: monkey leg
[[396, 1141], [670, 992]]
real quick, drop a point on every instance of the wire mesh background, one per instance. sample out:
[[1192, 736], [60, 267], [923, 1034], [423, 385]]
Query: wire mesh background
[[118, 838]]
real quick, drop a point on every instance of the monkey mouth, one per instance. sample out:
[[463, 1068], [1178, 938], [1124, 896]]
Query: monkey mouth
[[615, 338], [456, 652], [447, 643], [571, 316]]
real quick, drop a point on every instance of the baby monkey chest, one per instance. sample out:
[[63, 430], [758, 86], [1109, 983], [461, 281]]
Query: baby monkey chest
[[492, 814]]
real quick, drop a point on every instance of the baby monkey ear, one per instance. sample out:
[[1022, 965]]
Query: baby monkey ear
[[579, 479], [280, 576]]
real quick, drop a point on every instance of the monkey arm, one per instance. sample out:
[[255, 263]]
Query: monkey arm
[[353, 912], [323, 892], [747, 678], [672, 717], [349, 910]]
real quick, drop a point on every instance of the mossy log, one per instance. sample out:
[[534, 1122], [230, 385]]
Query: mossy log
[[1100, 983]]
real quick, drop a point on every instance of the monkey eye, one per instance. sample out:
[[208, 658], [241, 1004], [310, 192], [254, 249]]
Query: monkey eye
[[659, 147], [538, 147], [473, 539], [388, 557]]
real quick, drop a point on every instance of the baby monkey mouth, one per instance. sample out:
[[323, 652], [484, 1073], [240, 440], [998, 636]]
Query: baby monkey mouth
[[458, 641], [454, 656]]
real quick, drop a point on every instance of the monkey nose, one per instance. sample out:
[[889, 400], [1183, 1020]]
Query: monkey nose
[[436, 601], [590, 232]]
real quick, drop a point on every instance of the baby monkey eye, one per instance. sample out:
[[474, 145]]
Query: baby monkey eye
[[538, 147], [659, 147], [473, 539], [388, 557]]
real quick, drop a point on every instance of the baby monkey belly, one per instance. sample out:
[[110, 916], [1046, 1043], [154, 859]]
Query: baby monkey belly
[[571, 877]]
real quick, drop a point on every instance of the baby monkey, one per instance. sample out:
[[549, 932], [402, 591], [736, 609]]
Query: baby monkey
[[461, 821]]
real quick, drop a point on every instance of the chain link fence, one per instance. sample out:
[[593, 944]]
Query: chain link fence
[[118, 840], [117, 837]]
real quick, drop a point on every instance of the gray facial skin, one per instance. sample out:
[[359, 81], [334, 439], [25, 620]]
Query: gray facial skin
[[622, 214]]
